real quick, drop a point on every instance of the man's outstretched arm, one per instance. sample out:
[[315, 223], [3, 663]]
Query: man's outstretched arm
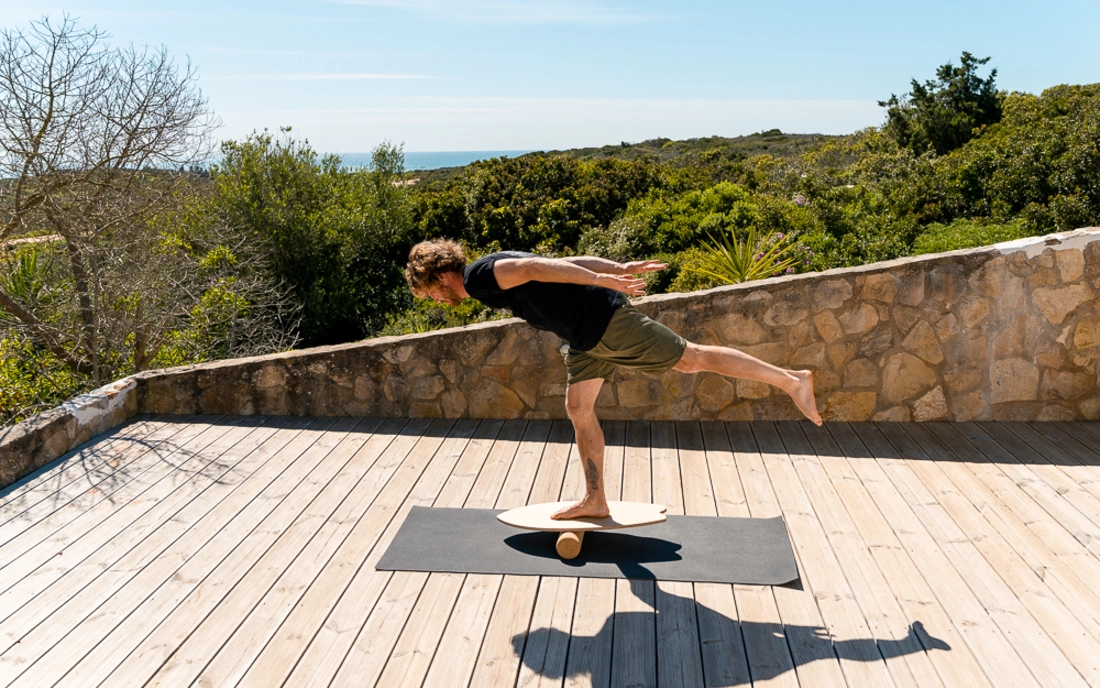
[[512, 272], [610, 267]]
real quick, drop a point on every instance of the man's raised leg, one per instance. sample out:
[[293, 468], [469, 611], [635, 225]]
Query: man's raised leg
[[580, 404], [799, 384]]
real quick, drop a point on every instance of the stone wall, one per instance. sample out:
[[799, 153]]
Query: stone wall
[[1010, 331]]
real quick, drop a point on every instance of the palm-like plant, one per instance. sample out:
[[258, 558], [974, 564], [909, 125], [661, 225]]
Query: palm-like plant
[[731, 260]]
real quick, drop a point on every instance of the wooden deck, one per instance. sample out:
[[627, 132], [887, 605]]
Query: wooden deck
[[214, 551]]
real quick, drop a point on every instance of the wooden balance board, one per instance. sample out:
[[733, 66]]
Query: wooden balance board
[[623, 515]]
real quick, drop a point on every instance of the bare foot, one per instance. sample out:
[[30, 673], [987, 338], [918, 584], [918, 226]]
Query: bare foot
[[589, 507], [803, 395]]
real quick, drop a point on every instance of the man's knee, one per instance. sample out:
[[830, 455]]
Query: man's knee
[[578, 409], [690, 362]]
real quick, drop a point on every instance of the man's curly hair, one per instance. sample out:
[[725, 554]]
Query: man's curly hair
[[430, 259]]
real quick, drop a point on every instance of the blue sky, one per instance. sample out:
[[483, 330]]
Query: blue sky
[[438, 75]]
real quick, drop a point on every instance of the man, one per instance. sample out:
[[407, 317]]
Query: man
[[583, 300]]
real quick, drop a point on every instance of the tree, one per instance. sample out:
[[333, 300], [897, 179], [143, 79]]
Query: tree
[[943, 114], [338, 239], [98, 152]]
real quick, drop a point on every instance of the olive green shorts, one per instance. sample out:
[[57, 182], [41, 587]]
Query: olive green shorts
[[631, 340]]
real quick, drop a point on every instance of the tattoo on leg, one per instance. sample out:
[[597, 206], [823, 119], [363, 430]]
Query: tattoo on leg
[[592, 476]]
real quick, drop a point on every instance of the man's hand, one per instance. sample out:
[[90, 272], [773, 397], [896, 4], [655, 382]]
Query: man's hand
[[638, 267], [627, 284]]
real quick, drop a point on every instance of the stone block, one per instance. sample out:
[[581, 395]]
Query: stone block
[[427, 388], [961, 379], [947, 327], [789, 308], [800, 335], [973, 310], [714, 393], [905, 376], [424, 409], [1087, 333], [1013, 379], [894, 414], [740, 329], [830, 294], [1017, 337], [876, 342], [1067, 385], [840, 353], [922, 341], [1044, 277], [862, 318], [911, 287], [967, 349], [861, 373], [1056, 412], [970, 406], [828, 326], [880, 287], [1071, 264], [1056, 304], [905, 317], [849, 406], [825, 381], [1090, 408], [1013, 294], [751, 389], [638, 393], [742, 412], [490, 399], [454, 404], [931, 406], [947, 283], [812, 356]]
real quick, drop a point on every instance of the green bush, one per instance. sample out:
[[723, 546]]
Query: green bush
[[937, 237], [337, 238]]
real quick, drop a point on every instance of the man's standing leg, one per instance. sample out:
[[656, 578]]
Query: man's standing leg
[[580, 404]]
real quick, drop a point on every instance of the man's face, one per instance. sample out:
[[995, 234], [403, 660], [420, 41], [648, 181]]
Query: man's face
[[443, 293]]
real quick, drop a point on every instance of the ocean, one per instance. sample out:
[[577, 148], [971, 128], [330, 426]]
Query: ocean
[[431, 160]]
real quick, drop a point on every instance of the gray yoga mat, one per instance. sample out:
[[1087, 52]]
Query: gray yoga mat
[[698, 549]]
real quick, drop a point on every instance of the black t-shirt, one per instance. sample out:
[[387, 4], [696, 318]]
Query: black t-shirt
[[577, 313]]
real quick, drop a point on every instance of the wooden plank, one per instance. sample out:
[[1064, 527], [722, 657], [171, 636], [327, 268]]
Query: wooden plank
[[285, 572], [372, 517], [588, 664], [1074, 459], [634, 634], [931, 625], [544, 651], [314, 639], [1051, 550], [540, 657], [860, 659], [369, 657], [721, 645], [469, 599], [891, 627], [40, 646], [718, 610], [167, 616], [1057, 646], [30, 498], [1046, 496], [114, 565], [679, 659], [40, 541], [815, 660], [987, 640], [503, 649], [1050, 465]]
